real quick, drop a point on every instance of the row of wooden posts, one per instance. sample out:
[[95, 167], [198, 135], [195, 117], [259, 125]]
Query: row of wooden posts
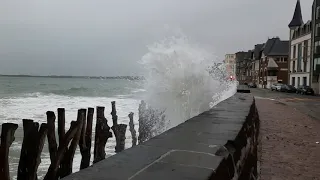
[[63, 151]]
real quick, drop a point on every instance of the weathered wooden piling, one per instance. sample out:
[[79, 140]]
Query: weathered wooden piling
[[57, 154], [61, 124], [7, 137], [62, 148], [132, 130], [53, 147], [114, 113], [120, 135], [102, 135], [119, 130], [85, 141], [67, 160], [32, 146]]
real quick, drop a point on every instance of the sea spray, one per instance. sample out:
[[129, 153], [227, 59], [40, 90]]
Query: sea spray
[[182, 80]]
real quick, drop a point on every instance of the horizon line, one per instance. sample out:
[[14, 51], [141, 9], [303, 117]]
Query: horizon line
[[72, 76]]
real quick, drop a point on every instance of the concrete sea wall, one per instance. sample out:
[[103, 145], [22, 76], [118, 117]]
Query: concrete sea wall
[[218, 144]]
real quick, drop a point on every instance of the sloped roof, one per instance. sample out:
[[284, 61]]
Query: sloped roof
[[248, 54], [257, 51], [240, 56], [297, 16], [280, 48], [308, 22], [276, 47], [268, 45]]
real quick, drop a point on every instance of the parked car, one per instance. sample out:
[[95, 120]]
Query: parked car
[[276, 87], [288, 88], [252, 85], [305, 90]]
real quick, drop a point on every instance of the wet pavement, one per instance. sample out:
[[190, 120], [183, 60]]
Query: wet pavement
[[306, 104], [289, 135]]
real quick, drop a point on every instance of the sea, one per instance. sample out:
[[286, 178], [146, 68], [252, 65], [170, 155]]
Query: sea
[[181, 80], [31, 97]]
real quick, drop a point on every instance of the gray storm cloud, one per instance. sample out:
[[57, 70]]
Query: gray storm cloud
[[78, 37]]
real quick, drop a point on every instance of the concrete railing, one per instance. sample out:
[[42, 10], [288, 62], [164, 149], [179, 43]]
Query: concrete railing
[[218, 144]]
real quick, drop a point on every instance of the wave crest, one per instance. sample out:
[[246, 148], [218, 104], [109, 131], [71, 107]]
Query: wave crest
[[181, 79]]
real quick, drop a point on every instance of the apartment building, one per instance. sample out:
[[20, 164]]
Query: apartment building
[[243, 66], [230, 62], [256, 56], [273, 66], [300, 49], [315, 48]]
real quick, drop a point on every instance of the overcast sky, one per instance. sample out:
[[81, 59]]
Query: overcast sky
[[104, 37]]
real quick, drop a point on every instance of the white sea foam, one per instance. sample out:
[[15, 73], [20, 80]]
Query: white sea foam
[[34, 106]]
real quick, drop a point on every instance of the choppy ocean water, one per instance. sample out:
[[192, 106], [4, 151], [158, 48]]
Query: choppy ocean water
[[182, 80], [30, 98]]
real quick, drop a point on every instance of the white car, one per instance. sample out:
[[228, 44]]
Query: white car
[[276, 86]]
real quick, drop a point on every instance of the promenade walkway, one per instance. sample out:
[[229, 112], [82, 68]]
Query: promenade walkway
[[290, 147]]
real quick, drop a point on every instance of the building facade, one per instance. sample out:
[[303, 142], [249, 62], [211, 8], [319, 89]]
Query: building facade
[[273, 65], [243, 66], [256, 56], [230, 62], [300, 49], [315, 40]]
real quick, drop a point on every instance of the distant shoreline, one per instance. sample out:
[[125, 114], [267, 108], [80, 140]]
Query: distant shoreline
[[79, 77]]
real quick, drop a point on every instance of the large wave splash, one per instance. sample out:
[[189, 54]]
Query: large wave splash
[[182, 80]]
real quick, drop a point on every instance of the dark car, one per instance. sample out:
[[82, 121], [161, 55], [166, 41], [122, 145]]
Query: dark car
[[252, 85], [305, 90], [288, 88]]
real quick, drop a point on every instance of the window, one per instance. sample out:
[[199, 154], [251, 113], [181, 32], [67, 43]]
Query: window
[[293, 66], [318, 13], [317, 47], [317, 29], [304, 81], [282, 59], [305, 66], [305, 50], [315, 63], [299, 57], [293, 81], [272, 73], [294, 51], [298, 81]]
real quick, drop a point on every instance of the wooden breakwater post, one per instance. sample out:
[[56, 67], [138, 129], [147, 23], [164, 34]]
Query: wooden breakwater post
[[85, 140], [132, 130], [32, 146], [62, 148], [67, 159], [102, 135], [7, 137], [59, 154], [119, 130]]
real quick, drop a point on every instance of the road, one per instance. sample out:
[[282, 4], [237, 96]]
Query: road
[[309, 105]]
